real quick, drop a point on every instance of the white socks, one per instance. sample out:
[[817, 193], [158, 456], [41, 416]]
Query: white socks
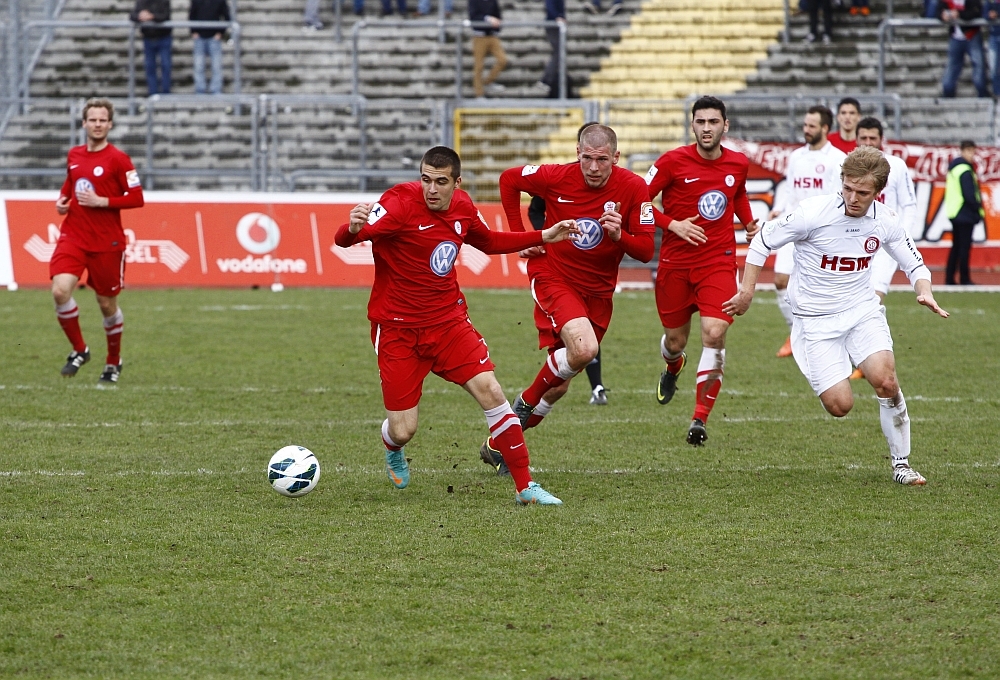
[[543, 409], [896, 427], [667, 356], [559, 364]]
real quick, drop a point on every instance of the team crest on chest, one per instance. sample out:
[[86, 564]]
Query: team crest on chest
[[458, 227], [609, 205], [98, 171], [730, 180], [712, 205], [591, 234], [871, 244]]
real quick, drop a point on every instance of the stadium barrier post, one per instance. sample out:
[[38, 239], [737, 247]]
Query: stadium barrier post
[[458, 61], [339, 14], [362, 116], [131, 71], [562, 59], [441, 22], [355, 36], [149, 141], [788, 20], [238, 57]]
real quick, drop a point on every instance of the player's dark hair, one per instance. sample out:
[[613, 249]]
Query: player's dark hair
[[579, 133], [853, 102], [871, 123], [966, 144], [99, 103], [441, 157], [597, 135], [709, 103], [825, 115]]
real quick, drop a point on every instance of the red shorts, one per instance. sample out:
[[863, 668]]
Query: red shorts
[[453, 350], [557, 303], [682, 292], [105, 271]]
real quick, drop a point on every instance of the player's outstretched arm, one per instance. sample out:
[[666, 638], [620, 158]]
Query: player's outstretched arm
[[926, 298], [560, 231], [740, 303]]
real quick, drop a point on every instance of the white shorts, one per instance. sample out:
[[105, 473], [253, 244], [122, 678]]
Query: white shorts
[[784, 261], [883, 267], [825, 346]]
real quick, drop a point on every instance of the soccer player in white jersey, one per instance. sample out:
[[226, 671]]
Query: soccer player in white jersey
[[812, 170], [899, 196], [837, 316]]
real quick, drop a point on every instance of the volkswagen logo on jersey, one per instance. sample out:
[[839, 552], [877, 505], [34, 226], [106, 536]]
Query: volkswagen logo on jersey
[[712, 205], [871, 244], [443, 258], [591, 234], [83, 184]]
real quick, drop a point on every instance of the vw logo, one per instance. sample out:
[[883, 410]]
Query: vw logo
[[712, 205], [83, 184], [443, 258], [591, 234]]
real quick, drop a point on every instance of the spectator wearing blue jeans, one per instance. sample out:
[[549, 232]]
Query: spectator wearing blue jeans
[[993, 14], [424, 7], [157, 43], [208, 42], [964, 40]]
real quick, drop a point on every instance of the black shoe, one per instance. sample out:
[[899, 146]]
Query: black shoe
[[74, 361], [668, 383], [523, 411], [110, 374], [697, 435], [494, 459]]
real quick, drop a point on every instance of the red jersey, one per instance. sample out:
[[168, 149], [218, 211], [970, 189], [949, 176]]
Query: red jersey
[[109, 173], [712, 190], [415, 250], [845, 146], [589, 261]]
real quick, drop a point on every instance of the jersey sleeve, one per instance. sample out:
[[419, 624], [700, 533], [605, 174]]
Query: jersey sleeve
[[496, 242], [657, 179], [776, 233], [741, 202], [904, 251], [384, 219], [129, 184], [530, 179]]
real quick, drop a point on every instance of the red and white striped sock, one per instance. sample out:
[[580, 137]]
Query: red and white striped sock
[[113, 330], [387, 440], [507, 438], [710, 370], [675, 362], [555, 371], [69, 318], [542, 409]]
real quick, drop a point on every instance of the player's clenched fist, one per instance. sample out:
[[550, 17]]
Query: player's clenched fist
[[560, 231], [62, 205], [359, 216]]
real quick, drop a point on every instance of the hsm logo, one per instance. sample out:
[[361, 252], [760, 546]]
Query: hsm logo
[[808, 183], [845, 264]]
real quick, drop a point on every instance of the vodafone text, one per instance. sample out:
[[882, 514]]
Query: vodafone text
[[256, 265]]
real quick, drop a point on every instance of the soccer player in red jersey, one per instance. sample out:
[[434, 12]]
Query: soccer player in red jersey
[[100, 182], [848, 115], [418, 314], [697, 267], [573, 281]]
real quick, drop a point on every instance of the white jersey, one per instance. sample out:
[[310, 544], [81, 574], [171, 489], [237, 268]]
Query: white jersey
[[809, 173], [833, 254], [898, 194]]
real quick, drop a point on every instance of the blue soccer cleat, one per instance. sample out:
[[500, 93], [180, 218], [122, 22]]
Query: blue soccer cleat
[[534, 494], [396, 468]]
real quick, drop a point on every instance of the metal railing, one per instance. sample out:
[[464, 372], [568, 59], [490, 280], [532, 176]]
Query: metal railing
[[23, 86], [458, 27], [885, 33]]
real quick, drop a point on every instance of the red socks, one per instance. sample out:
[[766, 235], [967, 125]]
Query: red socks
[[69, 318], [710, 371], [507, 438], [555, 371], [113, 331]]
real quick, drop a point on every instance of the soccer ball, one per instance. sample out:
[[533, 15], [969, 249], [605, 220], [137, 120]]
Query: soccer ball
[[293, 471]]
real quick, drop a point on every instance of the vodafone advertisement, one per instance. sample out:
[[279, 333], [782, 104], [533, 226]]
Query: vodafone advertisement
[[204, 239]]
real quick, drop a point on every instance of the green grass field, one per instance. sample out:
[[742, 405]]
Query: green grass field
[[140, 538]]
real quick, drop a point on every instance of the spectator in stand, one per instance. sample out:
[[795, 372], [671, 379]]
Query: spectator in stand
[[814, 7], [424, 7], [387, 8], [485, 17], [964, 207], [964, 40], [555, 10], [860, 7], [595, 7], [157, 43], [993, 14], [848, 115], [208, 42]]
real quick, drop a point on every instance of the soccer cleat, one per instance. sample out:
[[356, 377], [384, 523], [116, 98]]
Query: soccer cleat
[[907, 476], [396, 468], [599, 397], [523, 411], [858, 374], [74, 361], [494, 459], [697, 434], [668, 382], [786, 349], [534, 494], [110, 374]]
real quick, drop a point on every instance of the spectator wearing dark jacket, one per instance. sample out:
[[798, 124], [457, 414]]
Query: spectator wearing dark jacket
[[555, 10], [964, 207], [964, 40], [485, 18], [157, 43], [208, 42]]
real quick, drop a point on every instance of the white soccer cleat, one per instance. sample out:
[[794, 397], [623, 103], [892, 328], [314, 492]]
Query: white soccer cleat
[[907, 476]]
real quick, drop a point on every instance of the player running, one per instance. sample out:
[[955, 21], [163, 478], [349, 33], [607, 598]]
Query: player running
[[837, 316], [100, 182], [812, 170], [900, 197], [418, 314], [697, 267], [574, 281]]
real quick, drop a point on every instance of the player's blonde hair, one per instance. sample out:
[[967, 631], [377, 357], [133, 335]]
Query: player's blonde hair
[[596, 136], [99, 103], [865, 162]]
